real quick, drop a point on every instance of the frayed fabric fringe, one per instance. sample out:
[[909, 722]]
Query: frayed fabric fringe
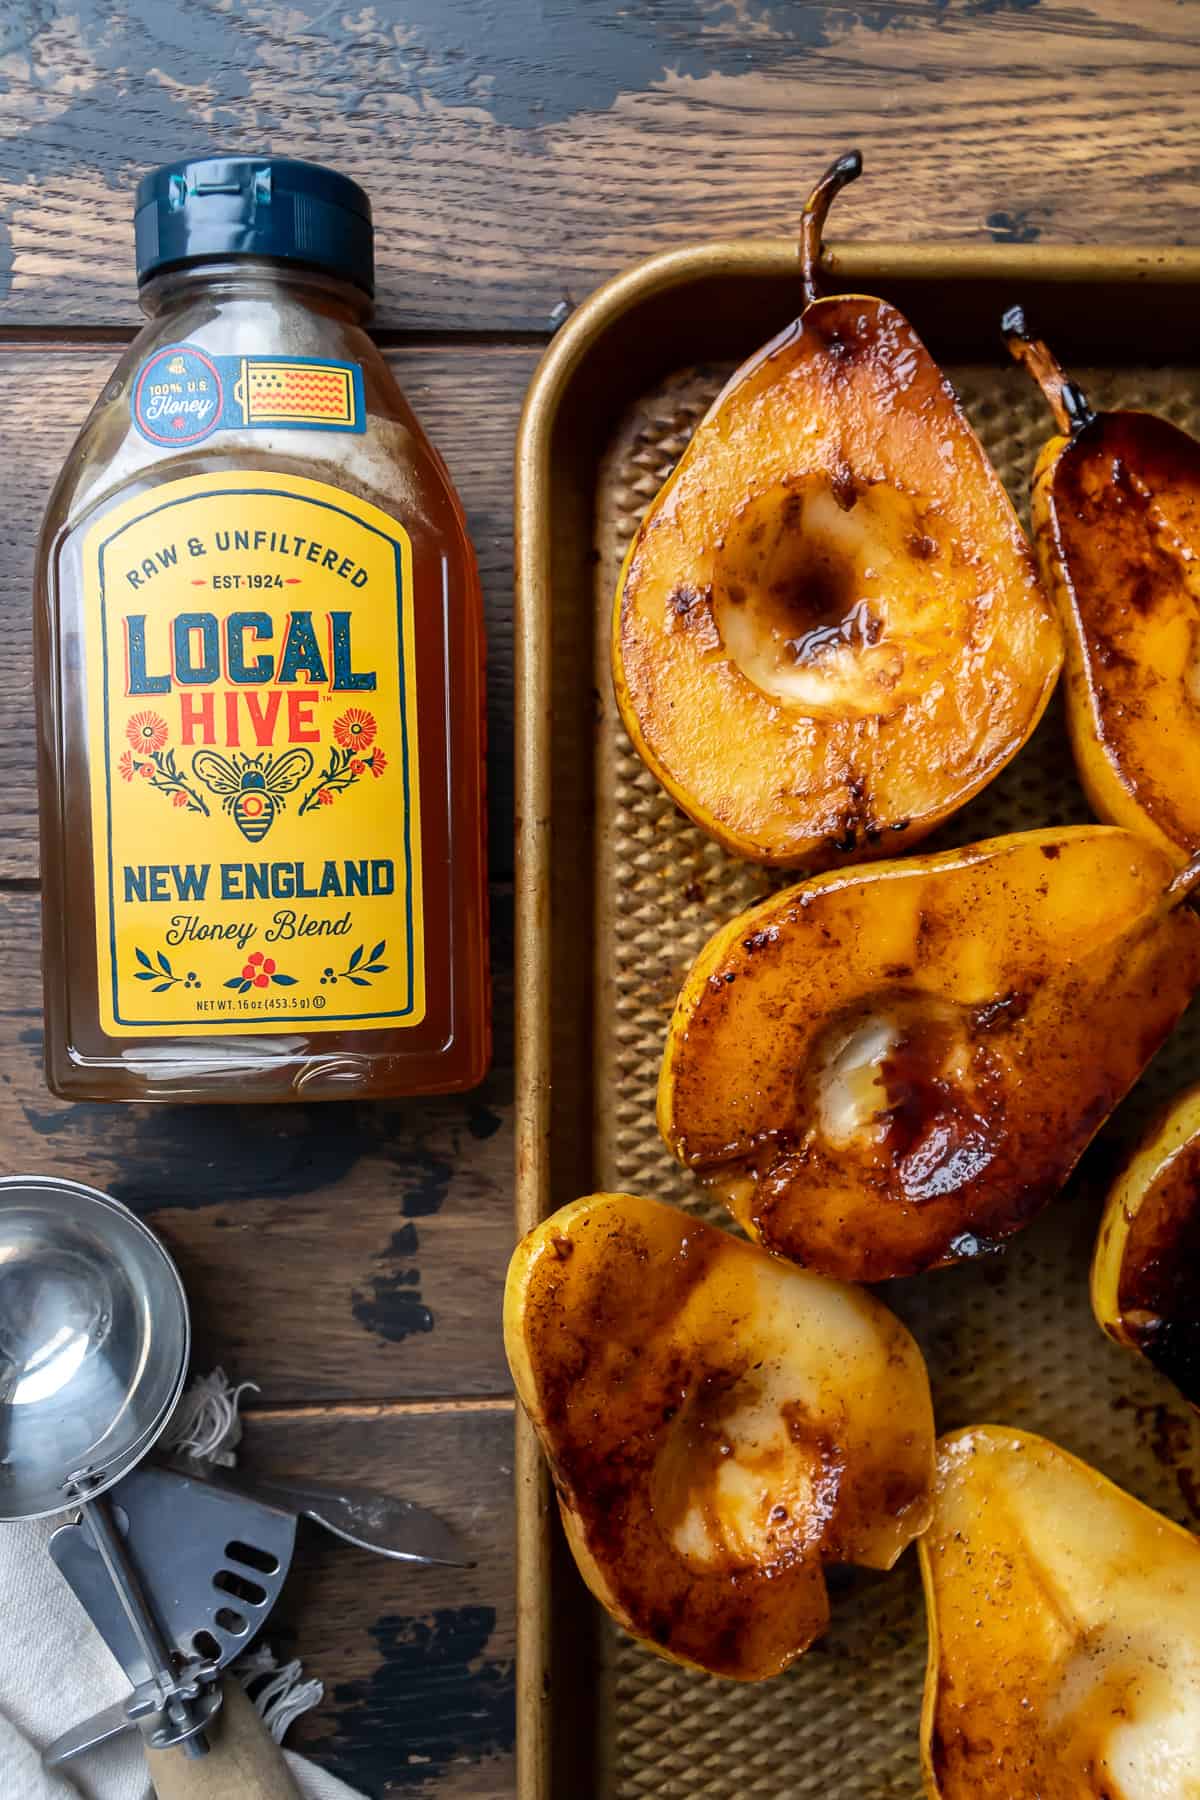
[[207, 1426], [279, 1692]]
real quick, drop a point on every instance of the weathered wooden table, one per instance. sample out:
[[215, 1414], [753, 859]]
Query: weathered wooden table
[[349, 1259]]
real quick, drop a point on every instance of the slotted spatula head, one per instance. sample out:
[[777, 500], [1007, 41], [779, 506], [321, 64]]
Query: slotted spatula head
[[212, 1564]]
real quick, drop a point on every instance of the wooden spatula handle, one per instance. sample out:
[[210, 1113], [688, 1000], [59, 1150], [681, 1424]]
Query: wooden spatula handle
[[242, 1763]]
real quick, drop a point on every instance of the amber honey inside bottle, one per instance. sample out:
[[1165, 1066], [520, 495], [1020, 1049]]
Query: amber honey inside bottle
[[259, 654]]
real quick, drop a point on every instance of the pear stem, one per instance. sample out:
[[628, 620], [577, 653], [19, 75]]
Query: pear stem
[[1184, 885], [1068, 402], [847, 168]]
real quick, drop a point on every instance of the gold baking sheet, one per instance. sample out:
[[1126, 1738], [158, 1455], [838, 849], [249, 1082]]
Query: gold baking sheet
[[618, 893]]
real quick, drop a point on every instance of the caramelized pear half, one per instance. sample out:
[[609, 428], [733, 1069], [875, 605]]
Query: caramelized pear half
[[720, 1426], [829, 631], [1064, 1657], [1146, 1271], [1116, 514], [896, 1066]]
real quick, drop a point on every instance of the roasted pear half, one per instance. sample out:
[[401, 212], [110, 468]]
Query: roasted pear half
[[1116, 513], [829, 632], [893, 1067], [1146, 1271], [1064, 1656], [720, 1426]]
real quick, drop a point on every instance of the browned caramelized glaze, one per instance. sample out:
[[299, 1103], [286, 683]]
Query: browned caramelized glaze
[[1062, 1661], [1160, 1276], [1124, 515], [1146, 1271], [720, 1426], [829, 632], [1116, 513], [896, 1067]]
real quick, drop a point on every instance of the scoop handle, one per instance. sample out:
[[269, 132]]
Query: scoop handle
[[243, 1763]]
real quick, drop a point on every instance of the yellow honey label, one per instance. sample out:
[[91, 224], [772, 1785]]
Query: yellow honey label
[[252, 728]]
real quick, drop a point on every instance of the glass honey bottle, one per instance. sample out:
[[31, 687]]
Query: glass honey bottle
[[259, 664]]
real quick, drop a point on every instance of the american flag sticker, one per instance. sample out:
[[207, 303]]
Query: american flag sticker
[[293, 392]]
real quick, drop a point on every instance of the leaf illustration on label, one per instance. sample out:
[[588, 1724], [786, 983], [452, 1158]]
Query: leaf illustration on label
[[359, 755], [150, 761], [164, 976], [331, 976]]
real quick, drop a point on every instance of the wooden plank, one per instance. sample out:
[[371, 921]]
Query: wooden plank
[[417, 1663], [330, 1251], [516, 156], [468, 400]]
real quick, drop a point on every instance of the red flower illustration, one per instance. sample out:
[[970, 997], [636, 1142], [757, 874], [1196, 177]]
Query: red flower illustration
[[145, 770], [147, 732], [179, 798], [324, 798], [126, 766], [259, 971], [355, 730], [356, 768], [378, 763]]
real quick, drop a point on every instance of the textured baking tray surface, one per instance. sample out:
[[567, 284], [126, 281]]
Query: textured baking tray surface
[[1009, 1340]]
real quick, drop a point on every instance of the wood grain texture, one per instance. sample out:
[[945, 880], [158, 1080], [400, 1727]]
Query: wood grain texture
[[417, 1663], [331, 1251], [468, 399], [518, 154]]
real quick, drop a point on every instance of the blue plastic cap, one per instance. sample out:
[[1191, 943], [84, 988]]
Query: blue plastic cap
[[221, 206]]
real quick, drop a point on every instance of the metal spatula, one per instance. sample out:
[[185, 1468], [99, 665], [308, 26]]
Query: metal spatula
[[211, 1564]]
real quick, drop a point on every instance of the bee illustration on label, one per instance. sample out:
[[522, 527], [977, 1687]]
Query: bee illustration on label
[[252, 788]]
